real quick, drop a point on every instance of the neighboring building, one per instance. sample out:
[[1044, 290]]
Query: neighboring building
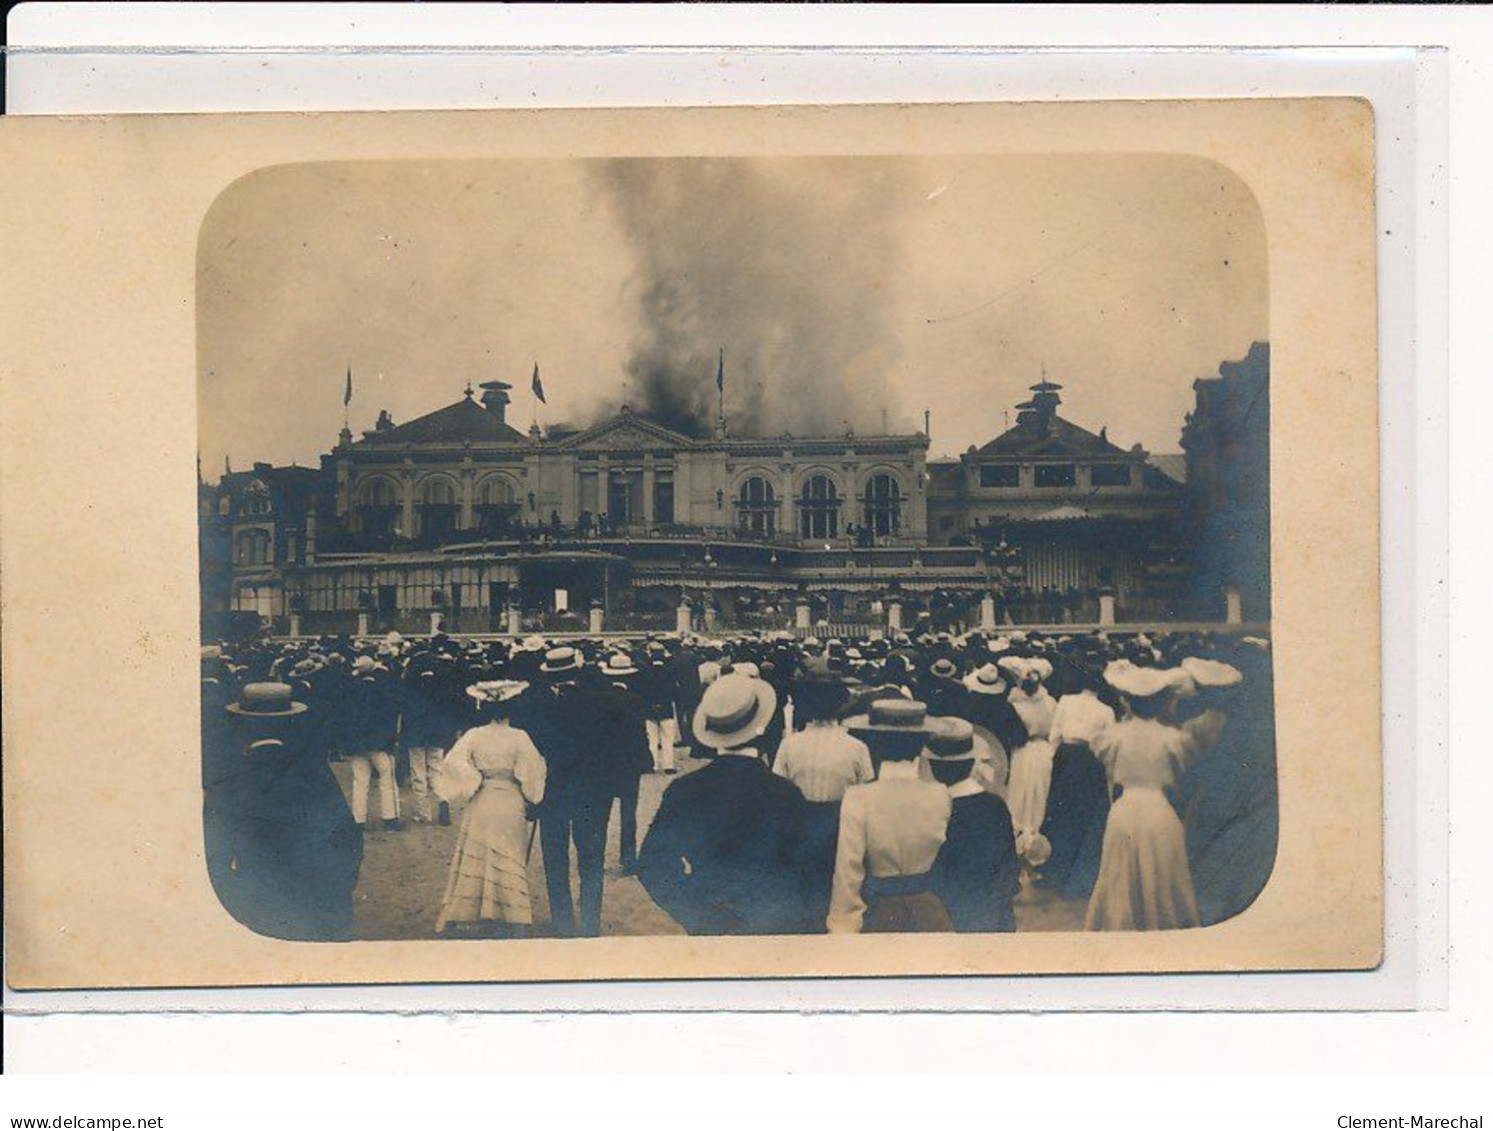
[[1227, 441], [1075, 513]]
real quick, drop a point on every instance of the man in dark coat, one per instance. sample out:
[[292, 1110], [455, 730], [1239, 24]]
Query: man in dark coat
[[283, 851], [976, 874], [682, 680], [617, 735], [724, 853], [565, 717]]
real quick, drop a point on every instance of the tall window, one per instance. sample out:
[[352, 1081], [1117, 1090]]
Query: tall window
[[438, 509], [497, 505], [883, 505], [1055, 475], [663, 497], [378, 506], [757, 508], [819, 509], [252, 548]]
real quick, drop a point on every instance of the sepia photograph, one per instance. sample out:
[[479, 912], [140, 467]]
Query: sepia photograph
[[606, 546], [735, 546]]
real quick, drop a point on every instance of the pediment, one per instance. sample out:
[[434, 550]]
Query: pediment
[[627, 433]]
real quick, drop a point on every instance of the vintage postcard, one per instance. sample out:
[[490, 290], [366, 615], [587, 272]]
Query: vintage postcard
[[780, 542]]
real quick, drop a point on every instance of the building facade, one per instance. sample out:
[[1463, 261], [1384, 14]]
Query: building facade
[[458, 519]]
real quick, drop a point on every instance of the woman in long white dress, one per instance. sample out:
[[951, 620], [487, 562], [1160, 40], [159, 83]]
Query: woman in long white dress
[[1144, 883], [499, 772], [1031, 763]]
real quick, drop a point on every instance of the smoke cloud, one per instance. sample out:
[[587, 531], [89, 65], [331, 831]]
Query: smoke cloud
[[790, 267]]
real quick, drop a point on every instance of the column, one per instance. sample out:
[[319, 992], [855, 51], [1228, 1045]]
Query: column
[[362, 624], [1233, 607], [647, 515], [295, 624], [894, 616], [681, 618], [987, 613], [515, 615], [468, 496], [598, 617], [1107, 607], [407, 515], [801, 615]]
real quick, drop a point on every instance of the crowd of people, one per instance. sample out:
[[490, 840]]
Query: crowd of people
[[903, 783]]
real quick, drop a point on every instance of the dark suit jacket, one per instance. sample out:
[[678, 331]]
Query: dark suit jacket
[[725, 852], [977, 873]]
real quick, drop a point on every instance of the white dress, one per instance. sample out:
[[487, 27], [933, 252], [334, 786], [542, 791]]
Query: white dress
[[1144, 883], [1031, 766], [489, 877]]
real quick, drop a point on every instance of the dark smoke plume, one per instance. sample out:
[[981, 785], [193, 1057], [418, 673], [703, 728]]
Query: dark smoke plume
[[790, 266]]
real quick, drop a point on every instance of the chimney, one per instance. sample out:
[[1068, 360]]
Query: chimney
[[495, 398]]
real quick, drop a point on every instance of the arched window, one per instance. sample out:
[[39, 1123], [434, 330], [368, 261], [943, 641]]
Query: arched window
[[252, 548], [378, 506], [757, 508], [496, 506], [819, 508], [256, 499], [883, 505], [437, 508]]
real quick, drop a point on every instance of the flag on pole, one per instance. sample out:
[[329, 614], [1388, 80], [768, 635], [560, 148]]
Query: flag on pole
[[347, 393], [720, 372], [537, 385]]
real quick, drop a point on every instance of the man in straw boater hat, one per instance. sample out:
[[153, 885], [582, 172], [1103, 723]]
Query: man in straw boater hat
[[283, 851], [619, 741], [724, 854], [976, 874], [566, 720], [890, 831]]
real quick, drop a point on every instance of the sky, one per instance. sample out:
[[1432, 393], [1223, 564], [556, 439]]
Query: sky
[[831, 293]]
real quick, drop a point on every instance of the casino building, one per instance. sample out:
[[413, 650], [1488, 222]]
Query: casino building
[[458, 519]]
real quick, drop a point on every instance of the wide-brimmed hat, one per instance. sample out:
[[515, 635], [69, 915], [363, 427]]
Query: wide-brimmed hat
[[1214, 675], [986, 680], [747, 668], [952, 739], [734, 710], [1142, 683], [365, 664], [497, 690], [558, 660], [618, 664], [266, 701]]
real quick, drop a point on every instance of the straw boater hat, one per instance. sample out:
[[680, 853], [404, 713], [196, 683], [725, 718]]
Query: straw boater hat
[[497, 690], [954, 740], [891, 725], [558, 660], [618, 664], [265, 701], [944, 668], [734, 710], [986, 680], [365, 664]]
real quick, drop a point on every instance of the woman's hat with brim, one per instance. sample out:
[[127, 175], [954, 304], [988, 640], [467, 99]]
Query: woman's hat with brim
[[266, 701], [734, 710], [1143, 683], [891, 728], [560, 660], [986, 680], [497, 690], [1212, 675], [954, 740]]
